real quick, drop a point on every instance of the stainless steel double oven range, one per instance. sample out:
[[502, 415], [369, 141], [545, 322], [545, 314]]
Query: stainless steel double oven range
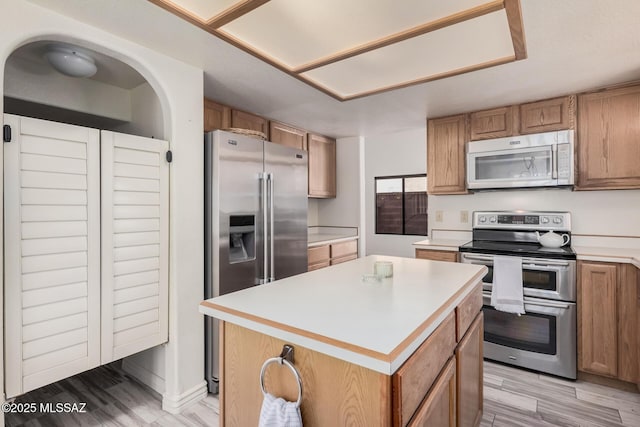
[[543, 339]]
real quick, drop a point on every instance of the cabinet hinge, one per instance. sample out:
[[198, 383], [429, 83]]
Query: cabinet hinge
[[169, 156], [6, 133]]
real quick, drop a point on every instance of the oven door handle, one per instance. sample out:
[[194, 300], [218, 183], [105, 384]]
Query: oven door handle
[[534, 302], [526, 262]]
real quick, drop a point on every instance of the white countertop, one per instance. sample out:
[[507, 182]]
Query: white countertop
[[377, 325], [440, 244], [604, 254]]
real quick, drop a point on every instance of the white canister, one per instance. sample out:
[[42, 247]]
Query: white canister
[[383, 268]]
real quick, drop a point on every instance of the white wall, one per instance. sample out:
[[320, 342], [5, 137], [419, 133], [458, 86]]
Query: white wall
[[146, 113], [49, 87], [312, 213], [615, 213], [399, 153], [179, 87]]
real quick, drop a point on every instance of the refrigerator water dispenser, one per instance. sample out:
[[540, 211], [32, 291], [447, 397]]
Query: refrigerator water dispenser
[[242, 234]]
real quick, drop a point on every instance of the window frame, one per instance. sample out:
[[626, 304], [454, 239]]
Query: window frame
[[375, 208]]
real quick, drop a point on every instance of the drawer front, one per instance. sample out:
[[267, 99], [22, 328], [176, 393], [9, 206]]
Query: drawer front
[[345, 248], [467, 310], [437, 255], [318, 265], [346, 258], [414, 379], [318, 254]]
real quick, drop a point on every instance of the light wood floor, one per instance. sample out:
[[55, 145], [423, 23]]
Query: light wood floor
[[512, 397]]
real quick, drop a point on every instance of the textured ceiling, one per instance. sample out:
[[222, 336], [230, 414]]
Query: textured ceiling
[[359, 48], [572, 45]]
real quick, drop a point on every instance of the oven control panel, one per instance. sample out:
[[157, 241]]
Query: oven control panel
[[523, 220]]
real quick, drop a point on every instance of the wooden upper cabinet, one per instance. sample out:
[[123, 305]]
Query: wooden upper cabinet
[[243, 120], [287, 135], [216, 116], [446, 138], [597, 337], [609, 139], [322, 166], [549, 115], [494, 123]]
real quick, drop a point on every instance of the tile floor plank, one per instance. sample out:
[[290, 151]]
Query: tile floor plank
[[513, 398]]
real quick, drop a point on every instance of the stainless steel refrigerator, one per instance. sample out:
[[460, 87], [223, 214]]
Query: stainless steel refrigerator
[[255, 220]]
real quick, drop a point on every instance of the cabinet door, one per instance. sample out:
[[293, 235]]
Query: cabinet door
[[628, 296], [216, 116], [609, 139], [322, 166], [52, 252], [446, 138], [597, 318], [244, 120], [135, 250], [549, 115], [494, 123], [469, 372], [287, 135], [439, 408]]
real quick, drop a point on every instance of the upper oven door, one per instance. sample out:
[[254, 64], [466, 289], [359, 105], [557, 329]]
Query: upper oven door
[[542, 278], [516, 167]]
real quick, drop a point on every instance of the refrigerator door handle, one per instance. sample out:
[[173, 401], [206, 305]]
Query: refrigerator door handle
[[263, 200], [272, 276]]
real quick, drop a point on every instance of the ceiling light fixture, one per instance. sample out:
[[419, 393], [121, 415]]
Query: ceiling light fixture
[[70, 61]]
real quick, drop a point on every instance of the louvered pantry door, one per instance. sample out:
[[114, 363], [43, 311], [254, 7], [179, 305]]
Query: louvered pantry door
[[52, 252], [135, 244]]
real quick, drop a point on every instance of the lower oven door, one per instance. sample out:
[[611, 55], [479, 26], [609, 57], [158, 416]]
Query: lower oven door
[[543, 339]]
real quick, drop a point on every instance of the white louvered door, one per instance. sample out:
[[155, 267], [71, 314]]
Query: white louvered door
[[52, 252], [135, 244]]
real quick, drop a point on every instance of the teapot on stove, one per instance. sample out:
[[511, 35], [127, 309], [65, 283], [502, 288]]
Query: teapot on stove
[[553, 240]]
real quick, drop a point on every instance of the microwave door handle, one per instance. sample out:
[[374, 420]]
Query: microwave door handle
[[554, 161]]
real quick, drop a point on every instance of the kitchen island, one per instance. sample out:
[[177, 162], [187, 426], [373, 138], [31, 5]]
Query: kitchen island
[[405, 350]]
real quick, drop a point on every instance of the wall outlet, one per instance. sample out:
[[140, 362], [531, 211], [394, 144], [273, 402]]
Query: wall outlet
[[464, 217], [438, 216]]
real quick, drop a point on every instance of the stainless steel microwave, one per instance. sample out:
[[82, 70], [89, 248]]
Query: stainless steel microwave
[[536, 160]]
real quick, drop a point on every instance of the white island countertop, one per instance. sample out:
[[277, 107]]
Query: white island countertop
[[377, 325]]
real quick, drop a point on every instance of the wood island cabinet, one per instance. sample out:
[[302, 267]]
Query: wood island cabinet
[[548, 115], [446, 139], [609, 139], [609, 320], [289, 136], [494, 123], [469, 374], [322, 166], [439, 408]]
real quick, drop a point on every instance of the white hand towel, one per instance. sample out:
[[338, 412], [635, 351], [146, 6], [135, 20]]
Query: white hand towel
[[506, 292], [277, 412]]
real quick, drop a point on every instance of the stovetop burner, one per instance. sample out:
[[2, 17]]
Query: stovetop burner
[[533, 250]]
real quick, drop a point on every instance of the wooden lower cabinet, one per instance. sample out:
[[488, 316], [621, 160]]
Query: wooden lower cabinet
[[332, 254], [469, 375], [609, 320], [440, 384], [436, 255], [439, 408]]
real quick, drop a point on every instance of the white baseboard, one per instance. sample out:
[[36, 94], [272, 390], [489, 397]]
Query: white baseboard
[[176, 404], [143, 374]]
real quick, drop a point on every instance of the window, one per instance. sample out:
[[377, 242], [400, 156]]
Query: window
[[401, 205]]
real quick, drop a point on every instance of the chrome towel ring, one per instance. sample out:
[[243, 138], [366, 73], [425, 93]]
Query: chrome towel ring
[[282, 361]]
